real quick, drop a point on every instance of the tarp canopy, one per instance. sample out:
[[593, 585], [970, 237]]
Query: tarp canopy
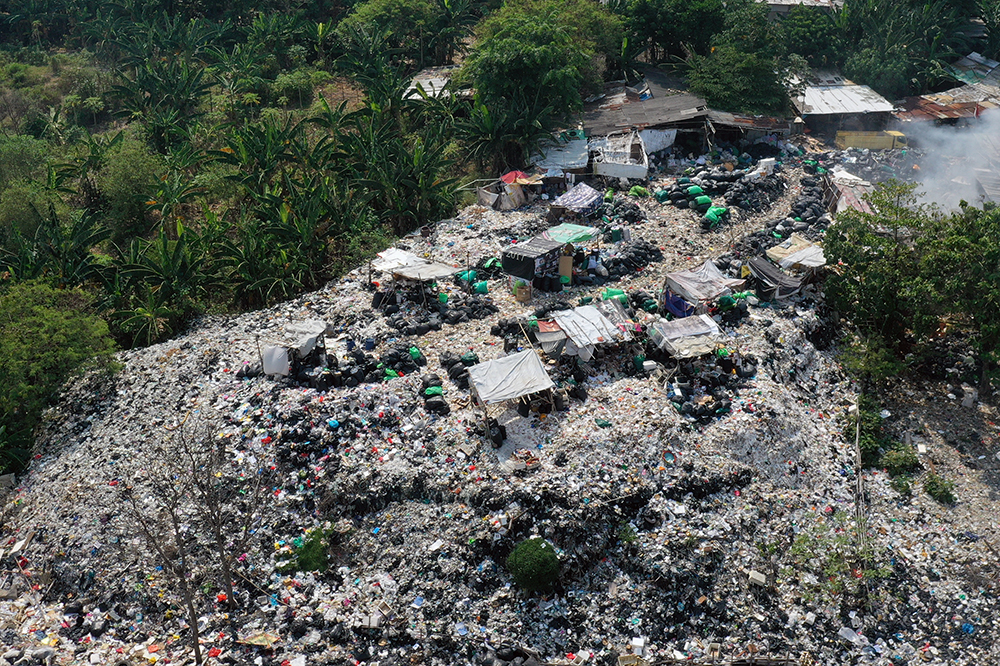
[[705, 283], [276, 361], [523, 259], [796, 253], [687, 337], [571, 233], [501, 195], [520, 178], [581, 199], [586, 327], [411, 267], [772, 283], [305, 335], [563, 155], [510, 377]]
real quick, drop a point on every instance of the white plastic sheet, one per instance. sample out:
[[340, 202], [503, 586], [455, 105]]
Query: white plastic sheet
[[586, 328], [510, 377], [705, 283]]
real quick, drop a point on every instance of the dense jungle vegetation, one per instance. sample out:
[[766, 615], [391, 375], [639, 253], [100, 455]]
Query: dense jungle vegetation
[[165, 158]]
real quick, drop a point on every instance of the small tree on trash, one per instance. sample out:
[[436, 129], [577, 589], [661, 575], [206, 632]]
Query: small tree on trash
[[227, 497], [160, 515], [534, 565]]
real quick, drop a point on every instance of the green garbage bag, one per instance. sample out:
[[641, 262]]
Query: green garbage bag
[[415, 354], [467, 276], [433, 390], [609, 195], [638, 360], [390, 373], [602, 423], [638, 191], [611, 293], [443, 298], [469, 359], [727, 302], [684, 180], [715, 213], [694, 191], [662, 196], [703, 200], [481, 287], [650, 306]]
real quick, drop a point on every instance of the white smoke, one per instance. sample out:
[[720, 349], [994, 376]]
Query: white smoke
[[951, 156]]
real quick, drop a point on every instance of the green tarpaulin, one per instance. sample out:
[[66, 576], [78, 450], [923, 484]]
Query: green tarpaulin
[[571, 233]]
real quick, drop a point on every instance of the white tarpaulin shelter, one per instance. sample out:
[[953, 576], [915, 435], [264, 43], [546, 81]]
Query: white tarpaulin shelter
[[797, 253], [705, 283], [300, 338], [411, 267], [687, 337], [586, 327], [509, 377]]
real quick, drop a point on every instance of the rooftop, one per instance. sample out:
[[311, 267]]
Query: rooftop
[[660, 100]]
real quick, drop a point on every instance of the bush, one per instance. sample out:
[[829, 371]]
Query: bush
[[901, 460], [940, 488], [901, 485], [45, 336], [534, 565], [293, 88], [310, 554]]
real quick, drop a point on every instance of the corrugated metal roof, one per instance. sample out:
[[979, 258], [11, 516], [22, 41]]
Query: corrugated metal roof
[[661, 101], [941, 107], [820, 100], [974, 68]]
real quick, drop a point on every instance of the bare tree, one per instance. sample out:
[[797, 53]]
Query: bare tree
[[228, 496], [161, 521]]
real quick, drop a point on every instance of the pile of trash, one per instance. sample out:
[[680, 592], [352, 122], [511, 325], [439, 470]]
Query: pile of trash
[[700, 508], [758, 194], [620, 208]]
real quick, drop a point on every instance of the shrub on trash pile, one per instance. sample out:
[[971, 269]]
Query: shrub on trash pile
[[309, 553], [901, 460], [534, 565], [940, 489]]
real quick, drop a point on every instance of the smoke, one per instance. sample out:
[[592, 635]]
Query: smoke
[[951, 156]]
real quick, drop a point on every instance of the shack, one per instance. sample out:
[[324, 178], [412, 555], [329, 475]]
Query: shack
[[299, 341], [699, 285], [797, 253], [687, 337], [520, 377], [830, 102], [579, 202], [772, 284]]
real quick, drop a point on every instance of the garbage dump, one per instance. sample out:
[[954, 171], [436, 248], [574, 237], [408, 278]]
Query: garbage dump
[[696, 481]]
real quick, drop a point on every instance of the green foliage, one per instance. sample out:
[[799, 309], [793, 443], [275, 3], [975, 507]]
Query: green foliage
[[901, 484], [900, 461], [735, 80], [533, 58], [411, 25], [626, 533], [128, 178], [869, 360], [294, 87], [876, 263], [310, 553], [939, 488], [46, 335], [874, 440], [812, 33], [666, 27], [534, 564], [989, 11], [21, 159]]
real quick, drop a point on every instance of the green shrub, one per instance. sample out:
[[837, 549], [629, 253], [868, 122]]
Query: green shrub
[[901, 460], [293, 88], [534, 564], [310, 553], [901, 485], [940, 488]]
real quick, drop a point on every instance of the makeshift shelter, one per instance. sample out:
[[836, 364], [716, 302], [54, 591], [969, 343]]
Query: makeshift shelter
[[571, 233], [702, 284], [797, 253], [300, 339], [688, 337], [586, 327], [621, 156], [772, 284], [582, 200], [536, 257], [501, 195], [509, 378], [408, 266]]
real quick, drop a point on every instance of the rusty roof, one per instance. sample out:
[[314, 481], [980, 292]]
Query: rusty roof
[[941, 106], [766, 123], [660, 100]]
